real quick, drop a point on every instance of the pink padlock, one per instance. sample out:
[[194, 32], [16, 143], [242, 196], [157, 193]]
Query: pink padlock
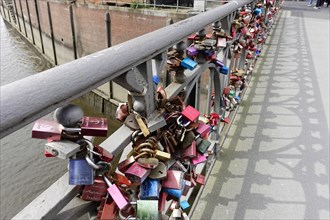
[[116, 195], [190, 113], [222, 42], [244, 30], [200, 179], [201, 158], [122, 112]]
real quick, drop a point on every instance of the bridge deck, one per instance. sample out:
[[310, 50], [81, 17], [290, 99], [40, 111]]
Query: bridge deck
[[275, 161]]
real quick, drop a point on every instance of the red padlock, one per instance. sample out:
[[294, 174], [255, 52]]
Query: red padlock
[[96, 191], [137, 173], [94, 126], [47, 129]]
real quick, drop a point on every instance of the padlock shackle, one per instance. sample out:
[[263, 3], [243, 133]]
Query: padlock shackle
[[91, 163], [107, 181], [180, 123], [70, 129]]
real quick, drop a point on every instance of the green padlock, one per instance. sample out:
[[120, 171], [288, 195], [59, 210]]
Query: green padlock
[[147, 210], [202, 145], [232, 93]]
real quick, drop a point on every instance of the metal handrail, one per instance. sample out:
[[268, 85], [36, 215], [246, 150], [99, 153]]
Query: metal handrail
[[28, 99]]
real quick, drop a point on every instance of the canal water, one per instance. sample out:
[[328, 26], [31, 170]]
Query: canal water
[[24, 170]]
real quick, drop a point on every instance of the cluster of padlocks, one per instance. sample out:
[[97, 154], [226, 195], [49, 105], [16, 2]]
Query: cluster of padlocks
[[162, 164]]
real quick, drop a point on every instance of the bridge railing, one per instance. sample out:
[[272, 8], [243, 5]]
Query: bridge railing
[[132, 65]]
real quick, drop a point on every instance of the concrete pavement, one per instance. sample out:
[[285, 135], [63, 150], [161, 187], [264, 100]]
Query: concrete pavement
[[275, 160]]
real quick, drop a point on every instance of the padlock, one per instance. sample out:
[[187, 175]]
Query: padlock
[[184, 204], [176, 213], [125, 164], [118, 179], [190, 113], [178, 166], [48, 154], [188, 63], [219, 63], [142, 125], [162, 201], [94, 126], [105, 155], [200, 158], [175, 193], [203, 129], [96, 191], [136, 173], [189, 137], [116, 194], [189, 152], [63, 149], [209, 53], [226, 120], [224, 70], [80, 172], [159, 172], [148, 162], [186, 187], [147, 209], [172, 180], [202, 145], [122, 112], [244, 30], [109, 210], [222, 42], [209, 42], [47, 129], [150, 189], [200, 179], [162, 156], [185, 216], [191, 51], [192, 37]]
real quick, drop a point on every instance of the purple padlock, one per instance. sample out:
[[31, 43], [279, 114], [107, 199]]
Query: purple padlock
[[219, 63], [191, 51], [201, 158]]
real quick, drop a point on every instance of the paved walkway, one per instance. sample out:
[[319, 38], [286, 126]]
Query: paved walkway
[[275, 161]]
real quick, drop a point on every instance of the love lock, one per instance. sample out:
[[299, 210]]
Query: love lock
[[132, 123], [159, 172]]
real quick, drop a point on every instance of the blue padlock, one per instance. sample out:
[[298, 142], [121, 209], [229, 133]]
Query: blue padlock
[[209, 53], [188, 63], [237, 98], [80, 172], [224, 70], [257, 11], [173, 192], [184, 204], [149, 189]]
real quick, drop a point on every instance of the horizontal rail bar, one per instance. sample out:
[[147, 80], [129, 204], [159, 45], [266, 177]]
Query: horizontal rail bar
[[28, 99]]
